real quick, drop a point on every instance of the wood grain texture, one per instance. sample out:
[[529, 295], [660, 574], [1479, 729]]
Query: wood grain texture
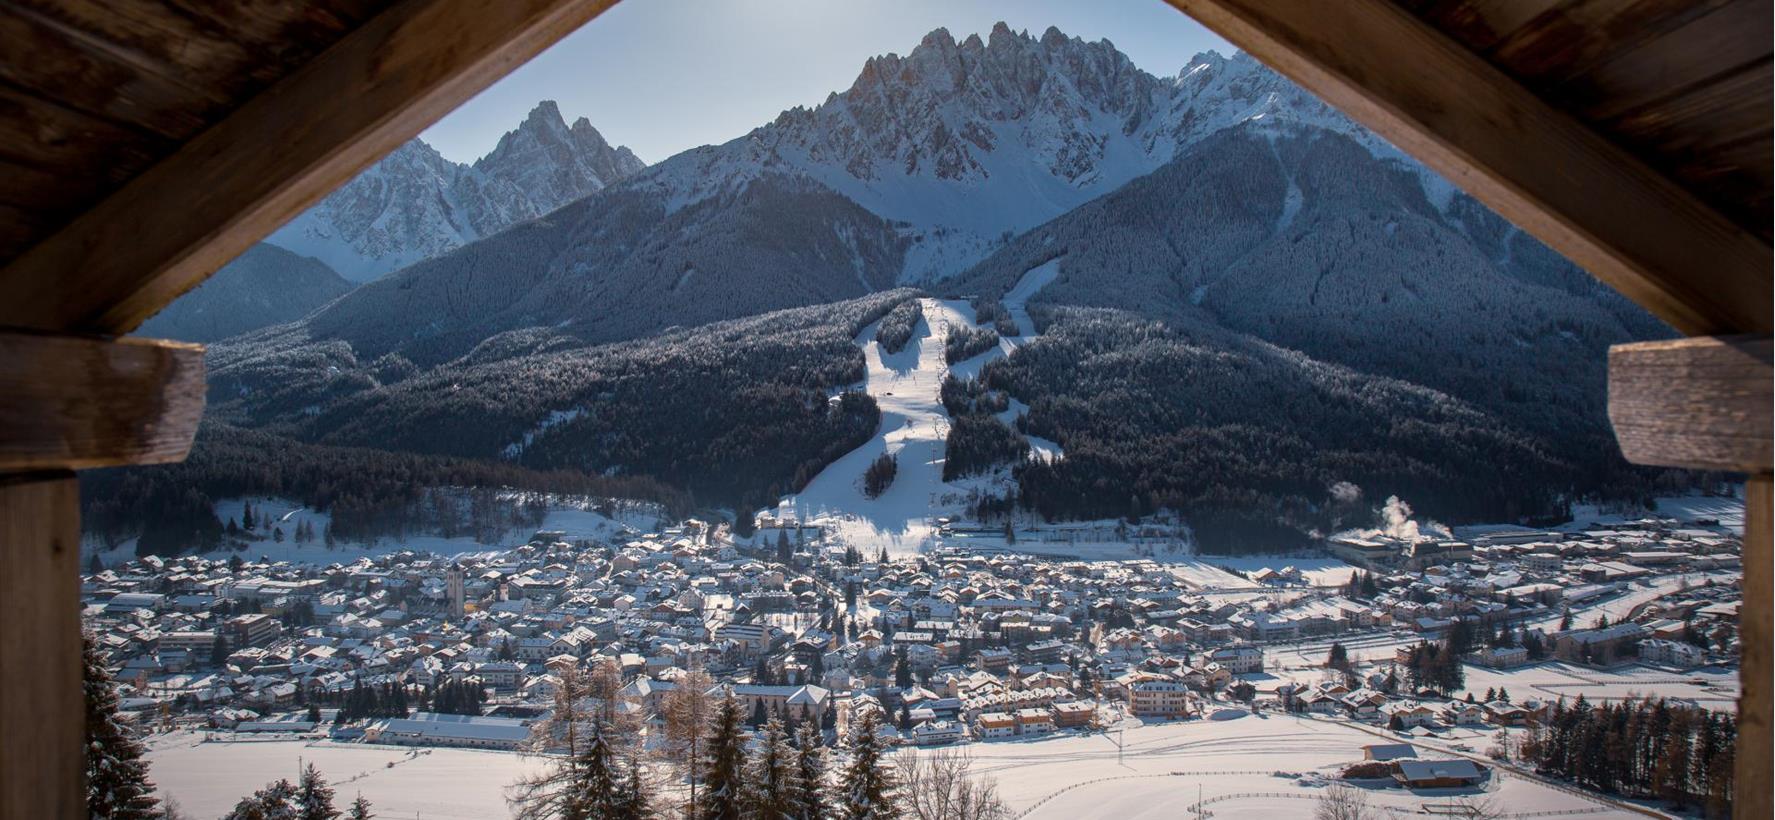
[[177, 222], [73, 403], [1701, 403], [1538, 167], [43, 713], [1756, 631]]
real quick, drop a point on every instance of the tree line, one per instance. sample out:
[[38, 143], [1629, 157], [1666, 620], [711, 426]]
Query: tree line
[[897, 326], [1641, 748], [780, 770]]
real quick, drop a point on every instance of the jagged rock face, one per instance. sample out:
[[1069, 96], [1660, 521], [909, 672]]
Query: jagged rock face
[[556, 164], [414, 204], [969, 143]]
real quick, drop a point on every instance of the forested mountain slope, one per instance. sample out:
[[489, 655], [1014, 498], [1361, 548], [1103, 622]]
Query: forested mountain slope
[[730, 412], [265, 286]]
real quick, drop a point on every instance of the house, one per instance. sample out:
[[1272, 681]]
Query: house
[[461, 731], [1597, 645], [1163, 699], [995, 726], [1460, 713], [1653, 650], [1499, 657], [1498, 713], [1408, 715], [1437, 774], [1388, 751], [938, 732], [1077, 714], [1239, 660], [1034, 721]]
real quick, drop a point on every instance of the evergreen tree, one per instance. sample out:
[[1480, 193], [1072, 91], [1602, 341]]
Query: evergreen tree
[[276, 801], [117, 786], [633, 799], [597, 788], [772, 773], [360, 809], [314, 797], [247, 519], [723, 796], [902, 669], [219, 649], [867, 790], [810, 773]]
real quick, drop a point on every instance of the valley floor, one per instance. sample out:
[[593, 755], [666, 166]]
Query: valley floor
[[1260, 766]]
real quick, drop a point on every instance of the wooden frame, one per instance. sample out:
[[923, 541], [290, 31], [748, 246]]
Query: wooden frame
[[175, 224]]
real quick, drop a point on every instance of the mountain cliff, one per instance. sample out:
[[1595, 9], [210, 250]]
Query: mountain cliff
[[414, 204]]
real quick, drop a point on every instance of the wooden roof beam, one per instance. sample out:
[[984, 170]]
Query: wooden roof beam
[[1538, 167], [280, 152]]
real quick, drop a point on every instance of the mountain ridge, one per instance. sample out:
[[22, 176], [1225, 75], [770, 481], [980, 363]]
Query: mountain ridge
[[414, 204]]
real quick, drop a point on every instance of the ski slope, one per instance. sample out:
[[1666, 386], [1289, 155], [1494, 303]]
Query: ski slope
[[914, 427]]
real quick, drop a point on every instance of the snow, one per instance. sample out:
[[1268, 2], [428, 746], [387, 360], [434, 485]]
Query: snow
[[914, 427], [1685, 509], [555, 418], [1231, 763], [438, 784], [1713, 688]]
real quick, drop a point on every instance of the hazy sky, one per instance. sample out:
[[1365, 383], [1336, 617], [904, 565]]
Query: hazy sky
[[661, 76]]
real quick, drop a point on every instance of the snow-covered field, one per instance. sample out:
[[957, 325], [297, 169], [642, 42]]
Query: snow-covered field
[[436, 784], [1233, 764], [1713, 688]]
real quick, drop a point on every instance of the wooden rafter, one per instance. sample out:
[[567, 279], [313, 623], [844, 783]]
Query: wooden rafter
[[1536, 166], [278, 153]]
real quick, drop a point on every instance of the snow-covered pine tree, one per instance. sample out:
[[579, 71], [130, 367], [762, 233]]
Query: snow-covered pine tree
[[360, 809], [723, 796], [634, 799], [597, 789], [810, 770], [314, 796], [277, 801], [867, 791], [771, 775], [117, 786]]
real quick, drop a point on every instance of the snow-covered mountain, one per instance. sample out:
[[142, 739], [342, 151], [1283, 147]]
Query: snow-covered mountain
[[968, 143], [414, 204]]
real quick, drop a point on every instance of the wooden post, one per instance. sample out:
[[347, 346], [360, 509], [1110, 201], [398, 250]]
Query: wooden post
[[42, 710], [1751, 797]]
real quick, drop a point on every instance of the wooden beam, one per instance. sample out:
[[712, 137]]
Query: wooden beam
[[43, 714], [71, 402], [1756, 630], [1536, 166], [1702, 403], [278, 153]]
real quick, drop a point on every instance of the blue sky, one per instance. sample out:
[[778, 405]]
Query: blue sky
[[661, 76]]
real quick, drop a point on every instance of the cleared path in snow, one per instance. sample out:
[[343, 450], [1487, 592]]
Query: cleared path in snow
[[914, 427]]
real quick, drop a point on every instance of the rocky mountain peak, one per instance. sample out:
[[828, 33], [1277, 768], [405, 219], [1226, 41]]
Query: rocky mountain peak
[[416, 204]]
